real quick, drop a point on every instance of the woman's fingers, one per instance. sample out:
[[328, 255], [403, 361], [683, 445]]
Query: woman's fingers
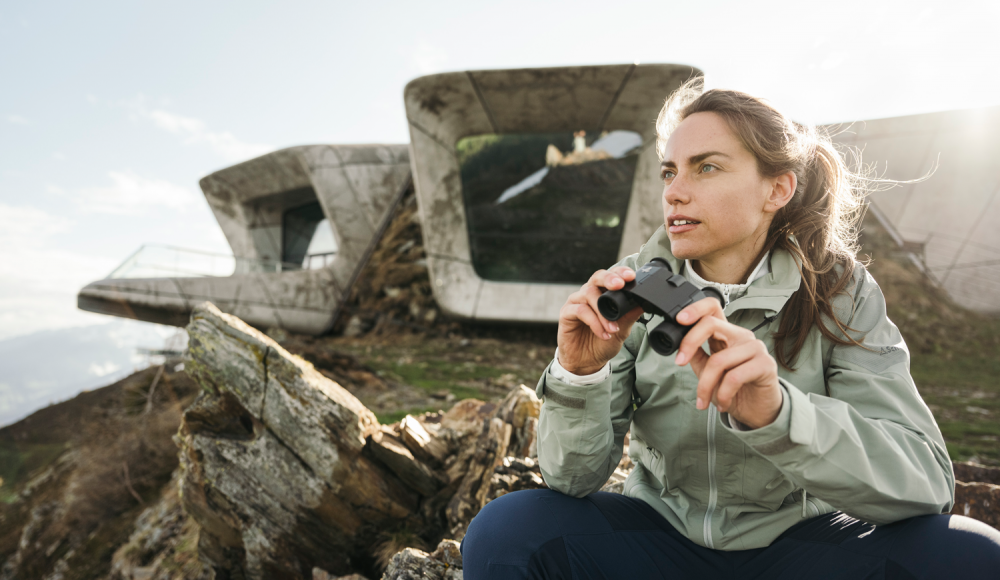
[[582, 312], [750, 372], [613, 279], [582, 304], [710, 327], [715, 368], [704, 307]]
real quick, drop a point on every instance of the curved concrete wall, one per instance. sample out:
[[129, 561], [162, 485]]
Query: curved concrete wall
[[357, 187], [955, 214], [444, 108]]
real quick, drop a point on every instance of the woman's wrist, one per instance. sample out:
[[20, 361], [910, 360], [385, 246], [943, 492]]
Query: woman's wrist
[[580, 374]]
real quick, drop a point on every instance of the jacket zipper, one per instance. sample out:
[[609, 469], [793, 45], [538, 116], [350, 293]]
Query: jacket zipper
[[713, 493]]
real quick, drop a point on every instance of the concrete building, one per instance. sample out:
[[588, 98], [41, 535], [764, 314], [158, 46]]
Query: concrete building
[[952, 218], [301, 222], [511, 224]]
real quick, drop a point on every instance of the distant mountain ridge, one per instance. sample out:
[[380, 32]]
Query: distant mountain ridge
[[49, 366]]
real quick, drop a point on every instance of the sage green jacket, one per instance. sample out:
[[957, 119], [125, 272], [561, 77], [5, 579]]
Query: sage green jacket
[[852, 435]]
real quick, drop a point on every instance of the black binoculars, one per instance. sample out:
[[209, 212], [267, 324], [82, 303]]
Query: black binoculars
[[660, 292]]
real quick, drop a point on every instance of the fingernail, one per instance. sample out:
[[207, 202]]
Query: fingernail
[[699, 404], [614, 326], [606, 336], [682, 317], [681, 358]]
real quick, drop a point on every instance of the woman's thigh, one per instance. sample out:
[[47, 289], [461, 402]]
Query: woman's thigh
[[545, 534], [836, 546]]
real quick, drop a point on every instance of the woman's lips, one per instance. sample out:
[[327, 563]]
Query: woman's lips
[[683, 228]]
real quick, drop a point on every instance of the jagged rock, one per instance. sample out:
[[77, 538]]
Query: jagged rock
[[445, 563], [388, 449], [970, 472], [515, 474], [429, 448], [271, 459], [521, 409], [285, 471], [979, 501]]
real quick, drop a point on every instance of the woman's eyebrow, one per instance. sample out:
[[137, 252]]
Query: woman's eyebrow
[[695, 159]]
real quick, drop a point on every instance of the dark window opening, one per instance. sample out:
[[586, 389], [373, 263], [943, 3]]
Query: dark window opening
[[546, 207], [307, 239]]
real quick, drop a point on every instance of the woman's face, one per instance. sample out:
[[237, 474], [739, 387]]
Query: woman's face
[[710, 179]]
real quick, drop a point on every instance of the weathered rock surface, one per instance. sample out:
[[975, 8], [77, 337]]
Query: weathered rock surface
[[970, 472], [271, 458], [285, 471], [445, 563], [980, 501]]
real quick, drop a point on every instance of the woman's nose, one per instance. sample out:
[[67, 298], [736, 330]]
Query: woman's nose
[[677, 191]]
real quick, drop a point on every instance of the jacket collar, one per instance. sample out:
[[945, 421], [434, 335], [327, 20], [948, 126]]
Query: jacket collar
[[768, 293]]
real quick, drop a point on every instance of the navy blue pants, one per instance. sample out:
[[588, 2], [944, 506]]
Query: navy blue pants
[[544, 534]]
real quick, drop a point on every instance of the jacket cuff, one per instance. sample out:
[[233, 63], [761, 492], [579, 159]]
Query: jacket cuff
[[559, 372], [567, 394], [794, 425]]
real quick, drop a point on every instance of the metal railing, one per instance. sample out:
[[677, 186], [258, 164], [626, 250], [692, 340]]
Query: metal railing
[[156, 261]]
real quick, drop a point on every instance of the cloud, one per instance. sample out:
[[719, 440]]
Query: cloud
[[131, 194], [41, 275], [195, 131], [17, 120], [20, 222]]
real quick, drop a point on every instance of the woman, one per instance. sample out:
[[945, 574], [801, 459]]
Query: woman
[[799, 448]]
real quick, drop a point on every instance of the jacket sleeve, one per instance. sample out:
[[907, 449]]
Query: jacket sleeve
[[871, 448], [581, 429]]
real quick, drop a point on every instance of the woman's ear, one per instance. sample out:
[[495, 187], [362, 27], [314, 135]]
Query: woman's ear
[[782, 190]]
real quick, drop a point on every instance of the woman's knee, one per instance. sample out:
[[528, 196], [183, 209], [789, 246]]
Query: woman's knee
[[518, 528], [504, 519], [944, 543]]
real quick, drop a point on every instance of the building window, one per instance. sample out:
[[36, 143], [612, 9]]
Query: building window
[[307, 238], [546, 207]]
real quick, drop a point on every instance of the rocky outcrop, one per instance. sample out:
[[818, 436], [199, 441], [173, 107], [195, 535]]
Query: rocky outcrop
[[977, 492], [445, 563], [285, 471], [973, 472]]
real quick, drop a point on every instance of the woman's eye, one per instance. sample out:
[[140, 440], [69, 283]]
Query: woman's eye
[[707, 168], [667, 175]]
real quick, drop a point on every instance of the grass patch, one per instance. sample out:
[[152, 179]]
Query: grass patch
[[438, 375], [979, 440], [19, 461]]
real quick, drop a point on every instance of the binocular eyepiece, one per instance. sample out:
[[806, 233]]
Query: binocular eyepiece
[[658, 291]]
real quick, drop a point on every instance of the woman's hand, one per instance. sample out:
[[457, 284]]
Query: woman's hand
[[587, 340], [740, 376]]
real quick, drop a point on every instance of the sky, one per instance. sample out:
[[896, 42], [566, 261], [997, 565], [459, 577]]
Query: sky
[[110, 112]]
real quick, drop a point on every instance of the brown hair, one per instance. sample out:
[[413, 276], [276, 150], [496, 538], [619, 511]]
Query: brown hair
[[819, 226]]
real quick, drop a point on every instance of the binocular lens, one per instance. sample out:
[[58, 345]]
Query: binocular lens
[[614, 304], [666, 338]]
